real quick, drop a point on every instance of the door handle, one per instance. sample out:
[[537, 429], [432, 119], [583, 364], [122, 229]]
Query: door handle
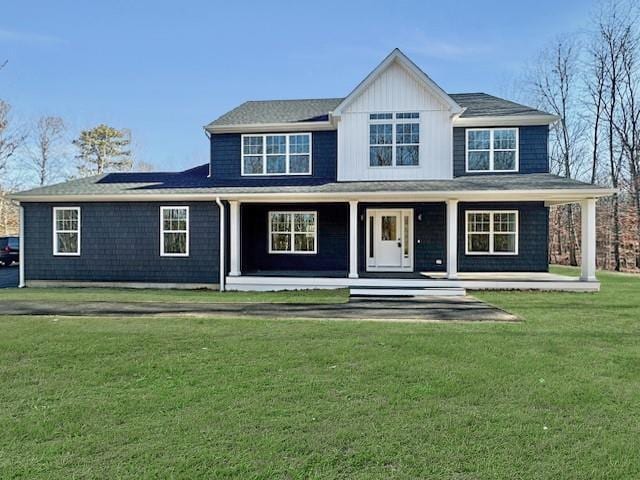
[[399, 244]]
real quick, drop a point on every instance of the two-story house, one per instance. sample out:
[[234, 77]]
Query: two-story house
[[398, 184]]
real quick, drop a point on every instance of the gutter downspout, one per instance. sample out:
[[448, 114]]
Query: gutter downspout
[[223, 265], [21, 259]]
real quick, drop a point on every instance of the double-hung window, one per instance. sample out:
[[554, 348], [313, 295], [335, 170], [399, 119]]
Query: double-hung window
[[394, 139], [492, 232], [292, 232], [66, 231], [281, 154], [174, 231], [492, 150]]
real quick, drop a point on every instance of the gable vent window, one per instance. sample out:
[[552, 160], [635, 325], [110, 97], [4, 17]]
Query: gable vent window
[[394, 139], [492, 150], [286, 154]]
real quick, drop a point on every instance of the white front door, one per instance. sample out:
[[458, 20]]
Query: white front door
[[389, 240]]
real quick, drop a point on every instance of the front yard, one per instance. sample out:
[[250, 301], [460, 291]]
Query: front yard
[[555, 396]]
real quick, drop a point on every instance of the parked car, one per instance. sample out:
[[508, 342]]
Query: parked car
[[9, 250]]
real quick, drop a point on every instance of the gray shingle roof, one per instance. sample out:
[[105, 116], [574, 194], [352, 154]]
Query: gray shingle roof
[[195, 181], [284, 111]]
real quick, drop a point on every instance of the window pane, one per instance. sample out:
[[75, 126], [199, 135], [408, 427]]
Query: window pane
[[407, 155], [252, 145], [381, 134], [478, 242], [175, 219], [280, 242], [380, 116], [479, 139], [478, 160], [504, 160], [389, 228], [252, 165], [175, 242], [304, 242], [304, 222], [380, 156], [408, 115], [67, 242], [276, 144], [276, 163], [479, 222], [280, 222], [14, 243], [504, 139], [299, 144], [66, 219], [408, 133], [504, 222], [299, 164], [504, 242]]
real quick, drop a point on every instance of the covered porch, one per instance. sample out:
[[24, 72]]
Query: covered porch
[[341, 256]]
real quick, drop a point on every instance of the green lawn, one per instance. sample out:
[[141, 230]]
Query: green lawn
[[169, 296], [555, 396]]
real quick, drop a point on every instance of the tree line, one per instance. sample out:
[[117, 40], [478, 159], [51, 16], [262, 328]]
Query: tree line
[[591, 80]]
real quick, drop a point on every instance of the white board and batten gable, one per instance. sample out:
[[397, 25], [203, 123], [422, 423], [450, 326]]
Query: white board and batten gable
[[397, 85]]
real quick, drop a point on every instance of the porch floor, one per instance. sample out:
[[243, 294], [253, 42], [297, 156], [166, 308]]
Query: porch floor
[[290, 280]]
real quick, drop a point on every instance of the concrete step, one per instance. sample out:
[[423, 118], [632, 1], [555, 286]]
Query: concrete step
[[407, 292]]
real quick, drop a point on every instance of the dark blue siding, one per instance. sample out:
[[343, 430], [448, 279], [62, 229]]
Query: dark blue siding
[[226, 162], [121, 242], [533, 240], [533, 144], [333, 239], [429, 234]]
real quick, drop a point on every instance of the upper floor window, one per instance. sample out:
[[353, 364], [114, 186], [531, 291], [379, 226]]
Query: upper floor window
[[174, 231], [66, 230], [394, 140], [492, 150], [282, 154]]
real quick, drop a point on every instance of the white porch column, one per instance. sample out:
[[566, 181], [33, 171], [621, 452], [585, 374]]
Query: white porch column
[[234, 238], [452, 239], [588, 242], [353, 239]]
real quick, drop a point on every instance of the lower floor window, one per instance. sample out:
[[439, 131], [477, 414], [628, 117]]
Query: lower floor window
[[492, 232], [174, 231], [292, 232], [66, 230]]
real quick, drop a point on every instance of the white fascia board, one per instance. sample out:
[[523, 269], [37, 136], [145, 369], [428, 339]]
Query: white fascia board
[[505, 121], [271, 127], [397, 56], [549, 196]]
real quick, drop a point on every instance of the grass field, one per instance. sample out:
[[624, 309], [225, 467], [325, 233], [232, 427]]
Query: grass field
[[556, 396]]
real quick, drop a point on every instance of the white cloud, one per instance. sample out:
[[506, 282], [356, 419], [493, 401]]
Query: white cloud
[[27, 37]]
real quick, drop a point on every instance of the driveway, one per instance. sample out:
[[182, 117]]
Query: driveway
[[9, 276], [384, 309]]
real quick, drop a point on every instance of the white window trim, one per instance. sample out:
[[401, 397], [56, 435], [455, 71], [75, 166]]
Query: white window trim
[[163, 231], [491, 232], [491, 150], [393, 121], [291, 233], [264, 155], [56, 231]]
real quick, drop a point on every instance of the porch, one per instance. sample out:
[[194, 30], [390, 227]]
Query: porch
[[428, 238], [293, 280]]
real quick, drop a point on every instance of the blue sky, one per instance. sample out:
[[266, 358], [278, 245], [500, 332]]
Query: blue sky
[[164, 69]]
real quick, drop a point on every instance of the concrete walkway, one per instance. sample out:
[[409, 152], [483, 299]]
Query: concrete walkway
[[387, 309]]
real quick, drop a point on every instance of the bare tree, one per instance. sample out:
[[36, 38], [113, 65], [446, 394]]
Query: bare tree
[[11, 140], [555, 86], [45, 155]]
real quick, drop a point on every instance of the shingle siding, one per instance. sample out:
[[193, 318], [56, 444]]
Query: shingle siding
[[533, 234], [226, 162], [120, 241], [533, 147], [332, 237]]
